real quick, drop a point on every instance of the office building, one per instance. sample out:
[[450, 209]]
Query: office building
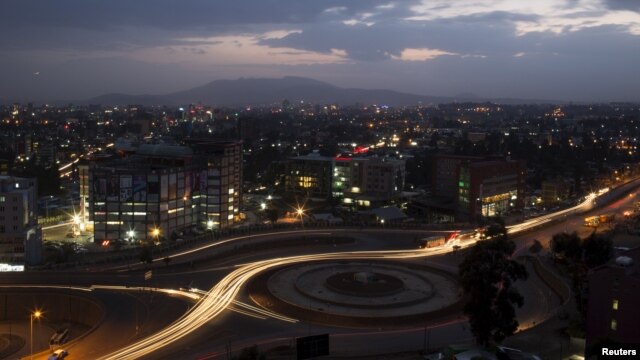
[[358, 181], [472, 188], [162, 190], [490, 188]]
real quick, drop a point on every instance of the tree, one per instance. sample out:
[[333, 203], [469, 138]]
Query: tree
[[536, 247], [597, 250], [487, 275], [567, 245]]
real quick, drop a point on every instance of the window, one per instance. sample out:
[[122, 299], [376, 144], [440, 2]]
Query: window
[[615, 304], [614, 324]]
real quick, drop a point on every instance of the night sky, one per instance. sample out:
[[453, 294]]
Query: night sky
[[583, 50]]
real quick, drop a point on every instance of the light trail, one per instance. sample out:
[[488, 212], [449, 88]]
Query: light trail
[[216, 300], [223, 294], [259, 310], [233, 239], [586, 205]]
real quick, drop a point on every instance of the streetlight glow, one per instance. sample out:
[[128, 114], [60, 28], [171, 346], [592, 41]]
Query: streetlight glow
[[36, 314], [210, 224], [156, 232]]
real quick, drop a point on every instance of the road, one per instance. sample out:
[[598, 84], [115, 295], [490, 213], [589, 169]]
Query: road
[[211, 308]]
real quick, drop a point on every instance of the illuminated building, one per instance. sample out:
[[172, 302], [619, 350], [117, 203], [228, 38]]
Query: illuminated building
[[310, 176], [489, 188], [162, 190], [361, 181], [20, 235], [470, 188]]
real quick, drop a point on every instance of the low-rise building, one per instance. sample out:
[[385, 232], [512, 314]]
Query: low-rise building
[[20, 235], [612, 306]]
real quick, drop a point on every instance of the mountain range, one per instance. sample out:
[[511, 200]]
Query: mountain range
[[266, 91]]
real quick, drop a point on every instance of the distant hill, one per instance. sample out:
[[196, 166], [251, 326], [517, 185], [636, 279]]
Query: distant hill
[[254, 91], [263, 91]]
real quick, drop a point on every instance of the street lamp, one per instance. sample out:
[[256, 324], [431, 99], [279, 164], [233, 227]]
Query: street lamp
[[131, 234], [300, 213], [156, 233], [209, 224], [36, 314]]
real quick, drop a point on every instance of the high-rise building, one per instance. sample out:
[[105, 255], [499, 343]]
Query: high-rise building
[[163, 189], [20, 235], [220, 202]]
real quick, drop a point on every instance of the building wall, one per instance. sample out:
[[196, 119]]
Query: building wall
[[220, 204], [490, 188], [613, 303], [382, 177], [165, 194], [310, 177], [126, 200], [20, 235], [446, 171]]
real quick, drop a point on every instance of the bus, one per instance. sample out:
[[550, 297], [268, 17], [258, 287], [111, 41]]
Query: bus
[[432, 241]]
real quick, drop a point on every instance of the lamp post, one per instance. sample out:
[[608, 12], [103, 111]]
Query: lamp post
[[131, 235], [300, 213], [36, 314], [76, 224], [156, 234]]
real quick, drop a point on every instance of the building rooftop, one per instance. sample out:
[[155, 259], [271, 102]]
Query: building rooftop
[[164, 150]]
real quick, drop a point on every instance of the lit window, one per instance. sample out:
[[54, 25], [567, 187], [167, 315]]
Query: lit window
[[614, 324], [615, 305]]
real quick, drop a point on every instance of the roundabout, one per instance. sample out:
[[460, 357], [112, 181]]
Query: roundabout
[[359, 294]]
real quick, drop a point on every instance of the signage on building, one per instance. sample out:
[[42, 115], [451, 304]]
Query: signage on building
[[11, 268]]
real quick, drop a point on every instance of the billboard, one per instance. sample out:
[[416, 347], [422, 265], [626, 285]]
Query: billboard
[[125, 188], [139, 188], [113, 188]]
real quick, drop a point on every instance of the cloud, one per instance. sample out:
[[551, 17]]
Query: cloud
[[422, 54], [241, 49], [376, 43], [556, 16]]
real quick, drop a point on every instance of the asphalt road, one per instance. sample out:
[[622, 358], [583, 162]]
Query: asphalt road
[[231, 330]]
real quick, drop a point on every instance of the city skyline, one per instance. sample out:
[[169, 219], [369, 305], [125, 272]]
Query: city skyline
[[560, 50]]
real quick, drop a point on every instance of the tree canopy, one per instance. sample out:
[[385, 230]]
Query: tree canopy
[[487, 275]]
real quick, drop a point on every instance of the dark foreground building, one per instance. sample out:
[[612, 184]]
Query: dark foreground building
[[614, 297]]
